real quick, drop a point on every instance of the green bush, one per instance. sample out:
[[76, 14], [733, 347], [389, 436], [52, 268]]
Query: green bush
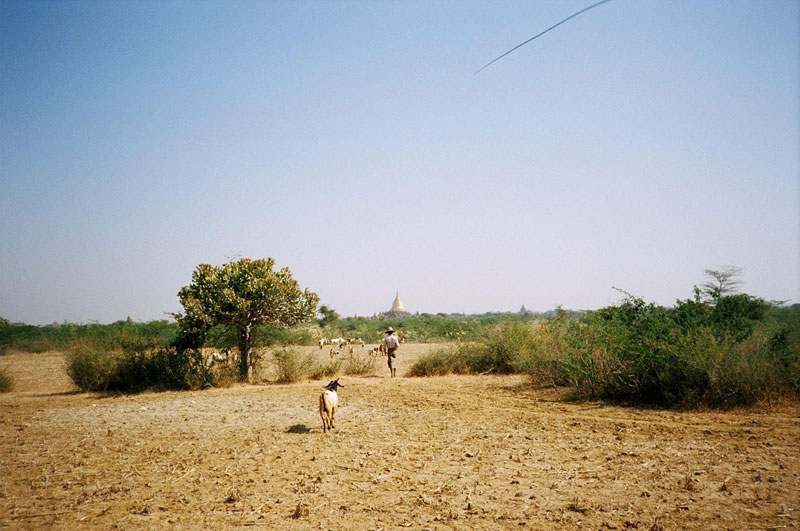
[[6, 380], [33, 345], [424, 327], [101, 370], [730, 317], [549, 357], [435, 363], [694, 354], [92, 369], [736, 351], [631, 352], [440, 362], [502, 350], [635, 361], [118, 335]]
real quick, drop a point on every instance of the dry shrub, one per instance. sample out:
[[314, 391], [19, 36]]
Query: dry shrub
[[440, 362], [358, 364], [6, 380], [224, 374], [291, 365], [325, 369], [509, 348], [743, 373]]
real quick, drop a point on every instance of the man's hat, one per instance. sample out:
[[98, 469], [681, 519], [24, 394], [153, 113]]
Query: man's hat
[[389, 330]]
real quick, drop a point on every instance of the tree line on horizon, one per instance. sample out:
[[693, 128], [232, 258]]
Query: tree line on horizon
[[246, 305]]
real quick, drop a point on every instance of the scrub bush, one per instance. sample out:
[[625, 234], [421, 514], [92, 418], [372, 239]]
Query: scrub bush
[[291, 365], [440, 362], [325, 369], [94, 368], [358, 364], [6, 380]]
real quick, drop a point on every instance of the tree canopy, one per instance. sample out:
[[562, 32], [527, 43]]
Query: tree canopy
[[329, 316], [723, 282], [243, 294]]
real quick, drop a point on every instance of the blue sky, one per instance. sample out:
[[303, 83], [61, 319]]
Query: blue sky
[[634, 146]]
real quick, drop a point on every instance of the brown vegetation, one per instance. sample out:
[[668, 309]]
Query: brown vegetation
[[454, 452]]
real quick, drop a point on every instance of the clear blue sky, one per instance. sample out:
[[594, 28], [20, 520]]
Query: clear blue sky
[[634, 146]]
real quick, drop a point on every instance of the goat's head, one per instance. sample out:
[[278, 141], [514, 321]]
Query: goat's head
[[333, 385]]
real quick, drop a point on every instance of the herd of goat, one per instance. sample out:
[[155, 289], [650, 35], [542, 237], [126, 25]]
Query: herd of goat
[[338, 344], [350, 345]]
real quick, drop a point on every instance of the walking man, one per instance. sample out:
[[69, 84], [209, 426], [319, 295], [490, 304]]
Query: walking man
[[391, 342]]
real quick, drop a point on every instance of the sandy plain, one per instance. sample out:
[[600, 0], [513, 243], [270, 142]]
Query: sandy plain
[[455, 452]]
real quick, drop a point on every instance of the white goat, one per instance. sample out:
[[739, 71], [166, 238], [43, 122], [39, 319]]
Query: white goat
[[220, 357], [328, 402]]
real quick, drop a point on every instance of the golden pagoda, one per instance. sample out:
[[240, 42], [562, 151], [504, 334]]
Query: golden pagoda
[[398, 310]]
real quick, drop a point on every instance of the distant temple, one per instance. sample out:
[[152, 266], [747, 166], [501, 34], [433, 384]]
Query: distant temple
[[398, 310]]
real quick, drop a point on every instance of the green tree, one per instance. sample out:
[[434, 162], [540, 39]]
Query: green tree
[[723, 282], [242, 294], [329, 316]]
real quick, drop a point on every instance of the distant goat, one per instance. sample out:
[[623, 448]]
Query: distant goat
[[220, 357], [334, 353], [328, 402]]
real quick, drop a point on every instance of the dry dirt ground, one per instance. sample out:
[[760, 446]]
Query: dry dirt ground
[[457, 452]]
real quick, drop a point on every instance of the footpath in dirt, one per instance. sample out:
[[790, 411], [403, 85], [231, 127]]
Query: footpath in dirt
[[456, 452]]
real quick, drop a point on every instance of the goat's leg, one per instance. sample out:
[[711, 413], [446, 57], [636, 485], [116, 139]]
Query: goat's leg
[[322, 413]]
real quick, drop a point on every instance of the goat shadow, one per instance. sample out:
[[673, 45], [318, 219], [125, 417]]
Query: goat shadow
[[298, 428], [59, 393]]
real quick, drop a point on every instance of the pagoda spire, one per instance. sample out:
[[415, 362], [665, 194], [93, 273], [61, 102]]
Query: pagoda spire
[[397, 305]]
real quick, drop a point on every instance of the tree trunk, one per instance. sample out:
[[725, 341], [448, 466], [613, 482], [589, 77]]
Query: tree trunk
[[245, 360]]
